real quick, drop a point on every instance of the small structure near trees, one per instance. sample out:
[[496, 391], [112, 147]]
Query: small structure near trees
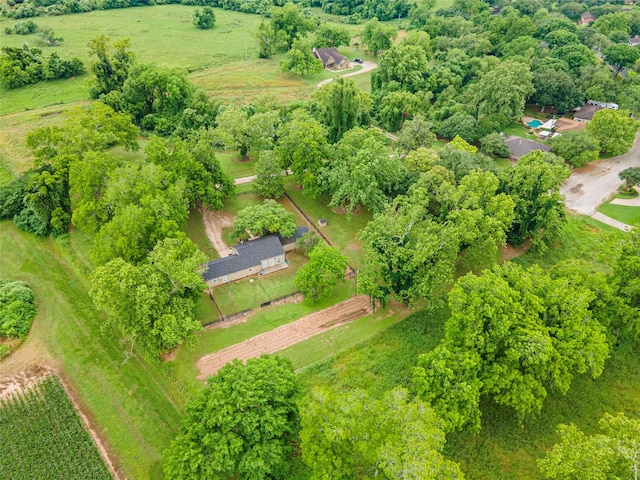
[[331, 59], [519, 147]]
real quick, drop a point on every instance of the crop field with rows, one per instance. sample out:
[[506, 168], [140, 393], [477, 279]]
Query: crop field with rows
[[42, 436]]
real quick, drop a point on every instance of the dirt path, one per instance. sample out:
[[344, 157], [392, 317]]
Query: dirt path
[[286, 335], [367, 66], [213, 225]]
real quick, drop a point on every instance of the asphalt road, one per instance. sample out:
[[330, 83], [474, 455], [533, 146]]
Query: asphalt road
[[589, 186]]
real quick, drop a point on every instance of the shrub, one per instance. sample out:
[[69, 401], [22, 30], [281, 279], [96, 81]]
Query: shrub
[[16, 308], [26, 27]]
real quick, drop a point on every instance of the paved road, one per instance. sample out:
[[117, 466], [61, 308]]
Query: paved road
[[367, 66], [590, 186]]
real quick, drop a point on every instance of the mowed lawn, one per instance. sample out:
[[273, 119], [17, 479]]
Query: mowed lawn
[[622, 213], [254, 291], [341, 229], [133, 402]]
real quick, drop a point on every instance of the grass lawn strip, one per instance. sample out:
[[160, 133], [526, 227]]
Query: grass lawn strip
[[622, 213]]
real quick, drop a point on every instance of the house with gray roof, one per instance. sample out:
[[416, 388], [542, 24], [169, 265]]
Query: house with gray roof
[[253, 257], [289, 244], [331, 59], [519, 146], [586, 113]]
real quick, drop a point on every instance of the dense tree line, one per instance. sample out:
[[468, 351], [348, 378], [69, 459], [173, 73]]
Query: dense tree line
[[26, 66]]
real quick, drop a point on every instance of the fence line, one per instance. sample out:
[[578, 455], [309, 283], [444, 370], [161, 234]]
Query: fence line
[[241, 194], [317, 230]]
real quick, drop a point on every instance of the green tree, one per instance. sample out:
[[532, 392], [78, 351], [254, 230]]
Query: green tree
[[17, 308], [575, 56], [361, 173], [152, 302], [414, 134], [631, 177], [393, 108], [621, 55], [193, 161], [266, 39], [459, 125], [269, 181], [351, 435], [326, 267], [331, 36], [155, 97], [237, 130], [95, 128], [493, 144], [413, 247], [340, 106], [376, 37], [577, 147], [244, 423], [534, 185], [626, 277], [111, 68], [512, 334], [612, 454], [262, 219], [614, 130], [289, 24], [205, 18], [299, 60], [302, 148], [143, 206], [505, 89], [405, 64], [421, 160], [48, 37], [307, 242], [557, 88]]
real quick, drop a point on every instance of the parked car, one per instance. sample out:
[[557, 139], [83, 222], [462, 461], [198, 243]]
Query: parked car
[[357, 60]]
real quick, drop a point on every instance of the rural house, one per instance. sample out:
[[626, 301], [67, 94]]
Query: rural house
[[586, 113], [331, 59], [521, 146], [259, 256], [587, 18]]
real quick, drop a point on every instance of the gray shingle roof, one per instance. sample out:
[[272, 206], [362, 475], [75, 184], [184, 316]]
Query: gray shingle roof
[[250, 254], [329, 56], [299, 232], [587, 112], [521, 146]]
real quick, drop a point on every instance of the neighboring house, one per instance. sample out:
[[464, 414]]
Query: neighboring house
[[331, 59], [521, 146], [264, 255], [586, 113], [586, 18], [561, 124], [634, 41], [611, 106]]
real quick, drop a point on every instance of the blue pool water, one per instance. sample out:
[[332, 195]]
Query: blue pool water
[[534, 123]]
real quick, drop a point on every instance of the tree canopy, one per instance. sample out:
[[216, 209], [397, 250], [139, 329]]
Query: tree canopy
[[243, 423], [512, 335], [262, 219], [326, 267]]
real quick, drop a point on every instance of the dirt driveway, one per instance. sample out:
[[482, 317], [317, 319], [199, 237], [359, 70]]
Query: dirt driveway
[[590, 186], [213, 223], [286, 335]]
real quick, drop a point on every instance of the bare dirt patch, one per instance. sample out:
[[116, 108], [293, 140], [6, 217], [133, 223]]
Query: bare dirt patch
[[286, 335], [509, 252], [214, 222]]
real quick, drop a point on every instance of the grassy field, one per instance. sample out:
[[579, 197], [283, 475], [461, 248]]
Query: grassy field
[[341, 229], [195, 232], [504, 449], [134, 403], [223, 60], [233, 166]]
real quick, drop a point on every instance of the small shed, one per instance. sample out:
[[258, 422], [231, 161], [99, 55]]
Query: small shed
[[322, 222]]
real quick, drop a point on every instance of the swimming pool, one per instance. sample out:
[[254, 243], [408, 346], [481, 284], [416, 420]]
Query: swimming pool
[[534, 123]]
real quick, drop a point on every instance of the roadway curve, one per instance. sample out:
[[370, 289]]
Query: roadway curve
[[367, 66], [589, 186]]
